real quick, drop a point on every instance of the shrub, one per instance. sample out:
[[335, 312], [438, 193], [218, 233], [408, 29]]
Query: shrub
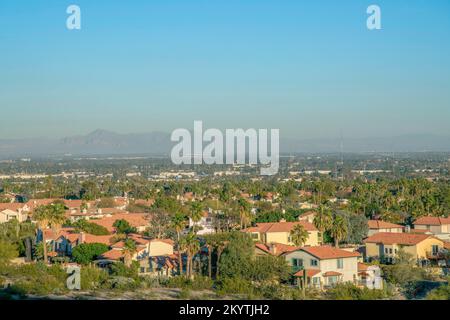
[[348, 291], [88, 252], [92, 278], [235, 286], [184, 294]]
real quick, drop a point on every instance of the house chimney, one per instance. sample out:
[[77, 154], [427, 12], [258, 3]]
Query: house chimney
[[273, 248], [81, 238], [283, 220], [407, 228]]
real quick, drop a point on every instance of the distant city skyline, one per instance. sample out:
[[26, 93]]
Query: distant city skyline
[[311, 69]]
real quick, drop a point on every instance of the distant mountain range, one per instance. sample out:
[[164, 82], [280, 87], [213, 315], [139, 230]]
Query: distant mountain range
[[102, 142]]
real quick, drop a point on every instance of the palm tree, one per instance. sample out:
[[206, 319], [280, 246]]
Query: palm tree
[[323, 219], [210, 243], [244, 212], [179, 223], [339, 230], [129, 250], [195, 213], [49, 216], [220, 243], [191, 246], [299, 235]]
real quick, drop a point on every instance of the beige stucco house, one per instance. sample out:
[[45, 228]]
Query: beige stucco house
[[376, 226], [7, 215], [279, 232], [435, 225], [324, 265], [385, 245]]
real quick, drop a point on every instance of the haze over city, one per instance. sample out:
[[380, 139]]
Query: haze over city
[[313, 70]]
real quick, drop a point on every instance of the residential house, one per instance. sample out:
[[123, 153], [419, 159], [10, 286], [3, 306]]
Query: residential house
[[205, 224], [436, 225], [324, 266], [137, 220], [279, 232], [7, 215], [376, 226], [275, 249], [369, 276], [307, 216], [386, 245]]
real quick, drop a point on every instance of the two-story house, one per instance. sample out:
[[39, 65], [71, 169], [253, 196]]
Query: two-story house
[[435, 225], [324, 266], [386, 245], [280, 232], [376, 226]]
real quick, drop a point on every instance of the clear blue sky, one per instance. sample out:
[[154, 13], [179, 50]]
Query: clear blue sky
[[309, 68]]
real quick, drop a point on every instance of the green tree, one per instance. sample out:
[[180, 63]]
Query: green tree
[[8, 251], [123, 226], [299, 235], [339, 230], [323, 220], [87, 252], [178, 222], [49, 216]]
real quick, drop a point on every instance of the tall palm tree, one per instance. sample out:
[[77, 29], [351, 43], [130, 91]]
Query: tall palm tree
[[210, 243], [195, 212], [129, 250], [220, 243], [179, 223], [244, 212], [299, 235], [339, 230], [49, 216], [191, 245], [323, 219]]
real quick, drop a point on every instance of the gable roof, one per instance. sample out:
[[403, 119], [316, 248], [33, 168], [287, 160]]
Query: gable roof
[[397, 238], [432, 221], [379, 224], [279, 227], [328, 252], [134, 219], [14, 206], [280, 248]]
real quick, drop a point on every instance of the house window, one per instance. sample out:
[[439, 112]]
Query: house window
[[340, 263], [390, 251], [142, 270], [332, 280], [314, 263], [297, 262], [386, 250], [434, 249], [255, 235], [315, 281]]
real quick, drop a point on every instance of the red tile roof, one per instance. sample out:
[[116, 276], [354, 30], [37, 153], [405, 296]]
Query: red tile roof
[[280, 248], [332, 273], [362, 267], [432, 221], [112, 255], [279, 227], [328, 252], [397, 238], [309, 273], [14, 206], [379, 224], [134, 219]]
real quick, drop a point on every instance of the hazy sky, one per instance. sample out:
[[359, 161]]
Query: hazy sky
[[309, 68]]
